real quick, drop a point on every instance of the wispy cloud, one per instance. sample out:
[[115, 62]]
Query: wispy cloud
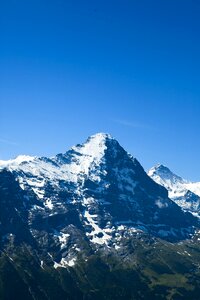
[[133, 124], [8, 142]]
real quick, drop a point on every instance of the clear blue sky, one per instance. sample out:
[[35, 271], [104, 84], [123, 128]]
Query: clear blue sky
[[69, 69]]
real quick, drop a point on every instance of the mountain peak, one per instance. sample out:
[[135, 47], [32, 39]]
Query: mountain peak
[[161, 173], [101, 136], [159, 168], [95, 145], [183, 192]]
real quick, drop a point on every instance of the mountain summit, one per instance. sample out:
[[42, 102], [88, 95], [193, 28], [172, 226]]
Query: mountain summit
[[185, 193]]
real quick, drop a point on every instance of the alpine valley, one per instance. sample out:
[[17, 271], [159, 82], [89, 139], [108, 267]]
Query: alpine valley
[[92, 224]]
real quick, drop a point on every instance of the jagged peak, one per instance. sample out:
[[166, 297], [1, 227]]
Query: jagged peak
[[159, 168], [95, 145], [101, 136], [164, 173]]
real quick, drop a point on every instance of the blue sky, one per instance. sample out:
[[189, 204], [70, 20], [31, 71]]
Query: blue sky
[[69, 69]]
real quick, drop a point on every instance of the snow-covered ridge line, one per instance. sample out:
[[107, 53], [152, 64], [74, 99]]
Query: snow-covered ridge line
[[80, 160], [93, 146], [16, 161]]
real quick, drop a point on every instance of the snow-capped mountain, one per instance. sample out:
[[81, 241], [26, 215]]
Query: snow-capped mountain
[[185, 193], [79, 216], [107, 189]]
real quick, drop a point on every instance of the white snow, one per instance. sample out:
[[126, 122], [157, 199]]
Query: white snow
[[39, 193], [16, 161], [88, 201], [48, 203], [117, 247], [42, 264], [65, 262], [71, 262], [121, 227], [193, 187], [96, 230], [63, 237], [90, 155], [173, 183], [86, 161]]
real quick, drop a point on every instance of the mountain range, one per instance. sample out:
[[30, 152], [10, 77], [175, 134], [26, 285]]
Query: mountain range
[[90, 223]]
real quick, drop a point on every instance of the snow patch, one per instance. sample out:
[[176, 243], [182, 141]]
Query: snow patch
[[98, 235], [63, 238], [65, 263], [48, 203]]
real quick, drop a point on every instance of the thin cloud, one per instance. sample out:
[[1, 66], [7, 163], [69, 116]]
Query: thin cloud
[[133, 124], [8, 142]]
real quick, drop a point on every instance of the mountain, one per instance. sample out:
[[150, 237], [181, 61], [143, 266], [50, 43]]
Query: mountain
[[183, 192], [105, 187], [91, 224]]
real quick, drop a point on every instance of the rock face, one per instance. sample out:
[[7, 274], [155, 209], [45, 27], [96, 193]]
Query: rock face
[[91, 224], [183, 192]]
